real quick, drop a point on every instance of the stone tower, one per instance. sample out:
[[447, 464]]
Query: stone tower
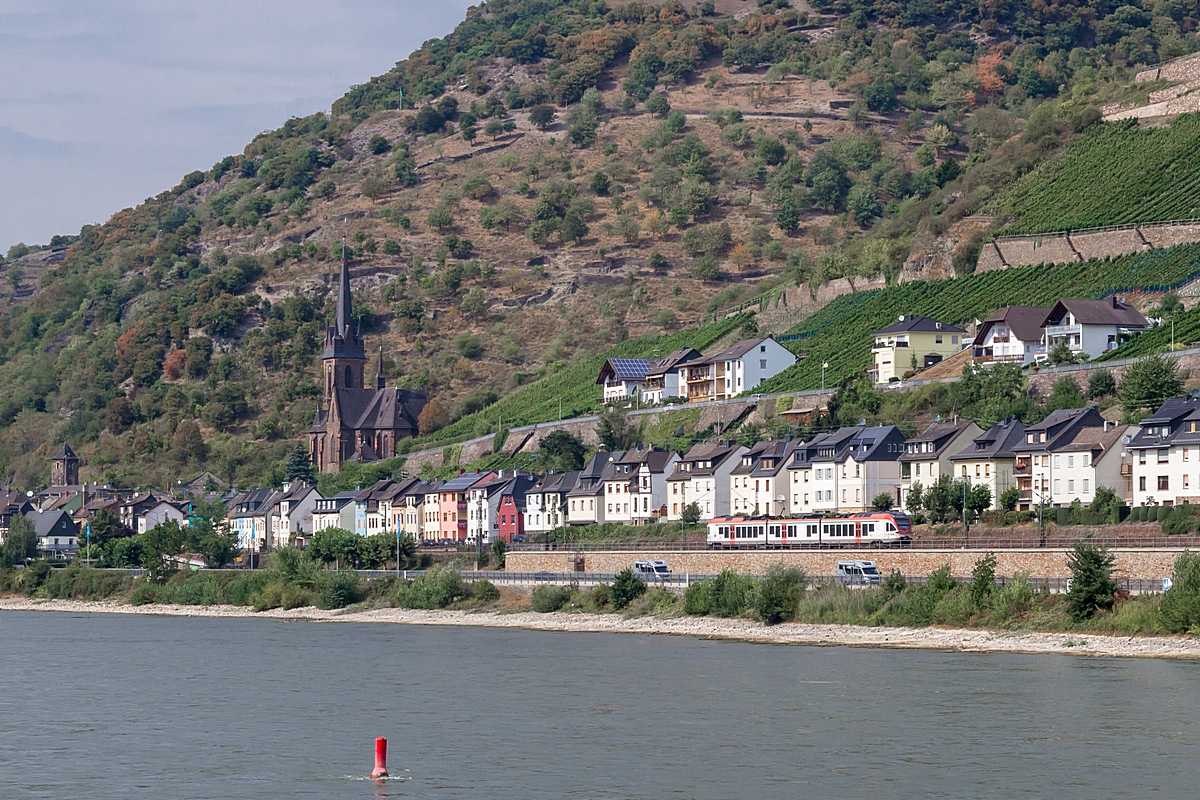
[[64, 467], [345, 357]]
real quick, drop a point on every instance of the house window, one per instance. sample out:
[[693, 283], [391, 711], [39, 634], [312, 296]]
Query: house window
[[1086, 490], [1057, 460], [1164, 456], [937, 339], [987, 470], [843, 495], [1056, 486], [1071, 461], [762, 364], [1141, 456], [953, 340], [1185, 454], [1163, 483], [1071, 487]]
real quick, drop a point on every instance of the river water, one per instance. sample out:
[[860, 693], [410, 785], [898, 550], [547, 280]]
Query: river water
[[113, 706]]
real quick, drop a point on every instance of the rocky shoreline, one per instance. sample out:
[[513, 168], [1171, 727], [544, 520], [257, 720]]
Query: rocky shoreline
[[702, 627]]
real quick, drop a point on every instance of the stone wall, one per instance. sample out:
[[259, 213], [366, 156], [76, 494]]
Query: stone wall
[[1048, 563], [1107, 243], [1043, 380], [1032, 250], [1185, 68]]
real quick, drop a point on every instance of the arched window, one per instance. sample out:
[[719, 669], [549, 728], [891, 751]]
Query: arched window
[[349, 378]]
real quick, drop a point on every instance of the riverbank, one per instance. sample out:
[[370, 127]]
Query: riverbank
[[701, 627]]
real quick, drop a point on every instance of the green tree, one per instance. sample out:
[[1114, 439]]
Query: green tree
[[334, 545], [542, 115], [1092, 586], [582, 124], [916, 498], [1065, 394], [298, 467], [563, 451], [1148, 382], [1061, 354], [188, 443], [690, 514], [1009, 498], [158, 545], [983, 581], [787, 216], [493, 128], [626, 588], [1101, 384], [21, 542], [615, 430], [1181, 605], [573, 228], [474, 304], [378, 145], [106, 526], [883, 501], [657, 104]]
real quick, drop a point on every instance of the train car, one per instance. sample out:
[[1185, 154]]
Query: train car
[[866, 529]]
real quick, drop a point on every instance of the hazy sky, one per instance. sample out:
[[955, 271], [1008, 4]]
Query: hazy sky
[[105, 104]]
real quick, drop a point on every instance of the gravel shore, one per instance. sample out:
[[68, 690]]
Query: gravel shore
[[704, 627]]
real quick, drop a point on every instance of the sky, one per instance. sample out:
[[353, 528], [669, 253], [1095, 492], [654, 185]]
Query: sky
[[105, 104]]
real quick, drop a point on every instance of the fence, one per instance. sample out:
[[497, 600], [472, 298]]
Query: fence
[[967, 542]]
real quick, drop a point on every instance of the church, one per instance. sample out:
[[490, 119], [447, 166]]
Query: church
[[355, 423]]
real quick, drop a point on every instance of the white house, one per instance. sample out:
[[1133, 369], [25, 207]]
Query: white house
[[57, 534], [845, 470], [1091, 327], [248, 518], [761, 478], [1070, 453], [1012, 335], [1165, 455], [623, 377], [701, 476], [648, 484], [667, 377], [547, 502], [739, 368], [291, 513]]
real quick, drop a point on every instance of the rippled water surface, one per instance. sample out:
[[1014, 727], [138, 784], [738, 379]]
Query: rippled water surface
[[145, 707]]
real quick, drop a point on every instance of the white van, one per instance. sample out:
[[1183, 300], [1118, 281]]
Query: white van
[[858, 573], [651, 570]]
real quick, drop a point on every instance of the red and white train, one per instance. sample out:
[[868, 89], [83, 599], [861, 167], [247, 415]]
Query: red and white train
[[865, 529]]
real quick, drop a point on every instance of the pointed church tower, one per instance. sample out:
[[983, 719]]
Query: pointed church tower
[[64, 467], [345, 357], [380, 380]]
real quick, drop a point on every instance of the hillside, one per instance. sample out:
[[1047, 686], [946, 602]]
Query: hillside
[[548, 181]]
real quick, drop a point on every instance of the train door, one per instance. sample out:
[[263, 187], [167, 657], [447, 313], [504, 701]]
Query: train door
[[858, 526]]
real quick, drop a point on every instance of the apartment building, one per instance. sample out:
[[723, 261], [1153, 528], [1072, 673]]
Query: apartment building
[[585, 501], [844, 470], [926, 456], [452, 505], [988, 460], [701, 476], [667, 378], [334, 512], [739, 368], [546, 502], [1066, 456], [1164, 455], [1091, 327]]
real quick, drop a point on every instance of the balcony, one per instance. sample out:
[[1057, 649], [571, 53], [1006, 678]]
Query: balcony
[[1022, 468], [1126, 470], [1024, 495], [1055, 331]]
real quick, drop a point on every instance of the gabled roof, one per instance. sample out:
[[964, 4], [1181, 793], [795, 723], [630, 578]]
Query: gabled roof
[[1060, 427], [713, 453], [595, 467], [996, 442], [918, 324], [45, 523], [940, 435], [737, 350], [465, 481], [1024, 321], [629, 369], [673, 360], [1097, 312]]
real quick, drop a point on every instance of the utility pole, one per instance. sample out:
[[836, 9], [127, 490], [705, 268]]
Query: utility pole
[[479, 534], [966, 518]]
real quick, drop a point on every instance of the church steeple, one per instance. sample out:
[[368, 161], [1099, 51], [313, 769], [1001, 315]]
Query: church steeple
[[344, 356], [380, 380]]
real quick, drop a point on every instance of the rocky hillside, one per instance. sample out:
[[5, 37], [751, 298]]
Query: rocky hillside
[[548, 181]]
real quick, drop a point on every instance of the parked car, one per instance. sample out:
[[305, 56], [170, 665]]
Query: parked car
[[519, 537]]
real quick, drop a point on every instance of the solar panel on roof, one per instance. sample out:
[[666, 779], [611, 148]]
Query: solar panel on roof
[[630, 367]]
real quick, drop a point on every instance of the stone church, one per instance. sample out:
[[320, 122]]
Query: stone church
[[355, 423]]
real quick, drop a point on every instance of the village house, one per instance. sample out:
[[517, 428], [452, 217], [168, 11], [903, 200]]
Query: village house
[[248, 518], [291, 513], [739, 368], [1091, 327], [911, 344], [57, 533], [1070, 453], [1011, 336], [12, 504], [1164, 455], [701, 476], [845, 470], [452, 505], [547, 501], [926, 457], [759, 482], [334, 512], [667, 378], [988, 460], [483, 505], [510, 511], [586, 500]]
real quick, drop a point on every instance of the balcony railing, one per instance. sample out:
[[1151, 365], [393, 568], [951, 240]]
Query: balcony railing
[[1025, 494], [1022, 469], [1126, 470]]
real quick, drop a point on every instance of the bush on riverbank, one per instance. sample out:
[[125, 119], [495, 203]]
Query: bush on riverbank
[[443, 588], [548, 599]]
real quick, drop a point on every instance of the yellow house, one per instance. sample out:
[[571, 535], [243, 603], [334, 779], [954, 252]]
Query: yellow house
[[913, 343]]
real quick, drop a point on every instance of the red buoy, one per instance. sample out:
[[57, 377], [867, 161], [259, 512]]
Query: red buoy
[[380, 770]]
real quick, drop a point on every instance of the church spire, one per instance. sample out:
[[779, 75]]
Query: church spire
[[343, 300], [380, 381]]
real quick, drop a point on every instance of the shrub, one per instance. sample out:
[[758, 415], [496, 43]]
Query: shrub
[[892, 585], [727, 595], [485, 591], [779, 593], [983, 581], [547, 599], [626, 588], [143, 595], [658, 602], [916, 606], [437, 588], [338, 589], [1092, 585], [601, 596], [1181, 605], [1012, 600]]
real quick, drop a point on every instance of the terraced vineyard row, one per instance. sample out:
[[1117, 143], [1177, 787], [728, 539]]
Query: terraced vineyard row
[[840, 333], [1186, 333], [1114, 174]]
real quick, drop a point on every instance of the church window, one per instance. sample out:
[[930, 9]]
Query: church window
[[349, 377]]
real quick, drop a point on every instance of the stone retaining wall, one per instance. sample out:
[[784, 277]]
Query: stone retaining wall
[[1132, 563], [1033, 250]]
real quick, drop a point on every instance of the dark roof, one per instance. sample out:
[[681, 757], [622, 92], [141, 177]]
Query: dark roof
[[625, 368], [919, 324], [1098, 312], [380, 409], [737, 350], [711, 452], [465, 481], [64, 452], [1165, 426], [1024, 321], [681, 356], [940, 435], [883, 443], [46, 522], [1060, 428], [997, 441]]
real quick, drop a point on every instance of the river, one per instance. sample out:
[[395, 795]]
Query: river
[[114, 706]]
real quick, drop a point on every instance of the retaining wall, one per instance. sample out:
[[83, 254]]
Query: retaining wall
[[1184, 68], [1063, 248], [1132, 562]]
